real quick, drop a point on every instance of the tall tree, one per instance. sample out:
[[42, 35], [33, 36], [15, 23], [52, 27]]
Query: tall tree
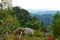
[[56, 25]]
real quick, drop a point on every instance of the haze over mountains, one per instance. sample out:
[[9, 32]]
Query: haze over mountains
[[44, 16], [42, 11]]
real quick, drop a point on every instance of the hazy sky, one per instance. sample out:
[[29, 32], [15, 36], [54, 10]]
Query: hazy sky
[[38, 4]]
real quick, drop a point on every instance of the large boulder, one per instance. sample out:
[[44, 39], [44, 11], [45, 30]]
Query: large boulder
[[28, 31], [24, 31]]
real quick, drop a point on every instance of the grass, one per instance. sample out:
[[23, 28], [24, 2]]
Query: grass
[[26, 37], [37, 36]]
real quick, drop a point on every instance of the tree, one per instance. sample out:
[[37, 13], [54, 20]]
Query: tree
[[55, 25], [22, 15], [33, 23], [25, 19], [7, 21]]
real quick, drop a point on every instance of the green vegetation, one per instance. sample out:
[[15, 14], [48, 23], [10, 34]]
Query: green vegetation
[[55, 26], [25, 19], [11, 19]]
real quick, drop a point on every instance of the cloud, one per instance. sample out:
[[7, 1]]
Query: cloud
[[38, 4]]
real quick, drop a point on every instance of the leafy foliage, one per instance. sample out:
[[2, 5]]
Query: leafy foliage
[[7, 21], [25, 19], [56, 25], [10, 19]]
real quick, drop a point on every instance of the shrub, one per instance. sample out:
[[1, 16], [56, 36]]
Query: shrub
[[38, 34]]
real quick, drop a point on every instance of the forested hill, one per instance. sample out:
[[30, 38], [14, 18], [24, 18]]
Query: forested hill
[[11, 19]]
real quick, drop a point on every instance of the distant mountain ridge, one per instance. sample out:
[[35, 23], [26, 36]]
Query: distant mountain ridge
[[42, 11], [44, 16]]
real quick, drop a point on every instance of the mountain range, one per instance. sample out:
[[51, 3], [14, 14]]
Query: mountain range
[[43, 16]]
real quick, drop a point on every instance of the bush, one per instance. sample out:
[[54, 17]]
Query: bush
[[38, 34]]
